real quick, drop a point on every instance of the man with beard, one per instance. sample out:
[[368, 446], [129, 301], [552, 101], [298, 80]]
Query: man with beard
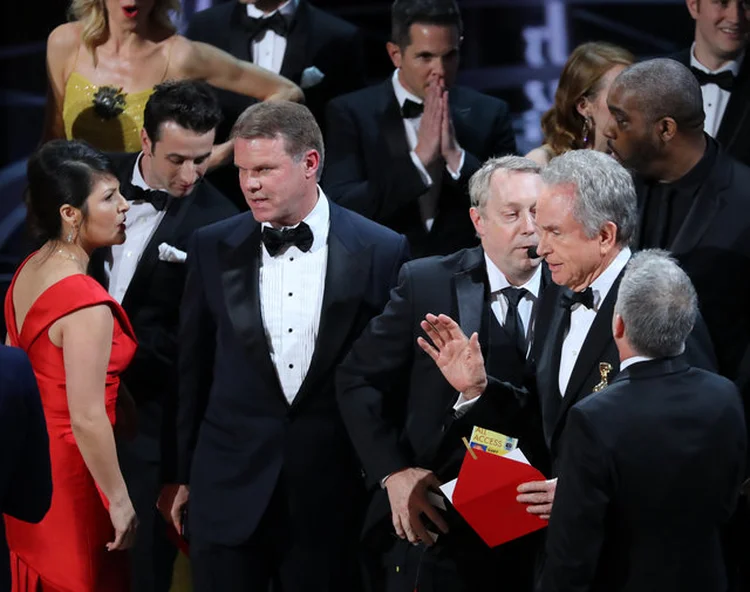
[[692, 198]]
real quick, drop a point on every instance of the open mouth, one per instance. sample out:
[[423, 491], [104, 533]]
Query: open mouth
[[130, 11]]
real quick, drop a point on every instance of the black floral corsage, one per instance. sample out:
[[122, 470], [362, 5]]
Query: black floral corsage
[[109, 102]]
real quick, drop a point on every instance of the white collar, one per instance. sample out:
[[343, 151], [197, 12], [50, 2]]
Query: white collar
[[319, 221], [498, 281], [733, 66], [401, 93], [137, 180], [634, 360], [603, 284], [287, 10]]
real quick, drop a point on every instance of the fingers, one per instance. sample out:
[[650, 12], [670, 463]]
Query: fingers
[[434, 333], [117, 543], [541, 510], [428, 349], [396, 518], [474, 347], [176, 516], [431, 512], [533, 486], [451, 327]]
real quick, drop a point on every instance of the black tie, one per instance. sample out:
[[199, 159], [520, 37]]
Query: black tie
[[570, 298], [513, 323], [724, 80], [276, 240], [256, 26], [411, 109], [156, 198]]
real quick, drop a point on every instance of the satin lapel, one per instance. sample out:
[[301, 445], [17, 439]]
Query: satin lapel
[[239, 258], [239, 40], [164, 232], [736, 114], [392, 124], [597, 340], [470, 289], [347, 273], [297, 55], [706, 204]]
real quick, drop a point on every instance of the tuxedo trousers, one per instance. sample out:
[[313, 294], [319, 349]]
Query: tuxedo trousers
[[281, 555]]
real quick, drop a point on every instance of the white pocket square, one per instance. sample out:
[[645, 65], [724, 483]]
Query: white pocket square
[[310, 77], [171, 254]]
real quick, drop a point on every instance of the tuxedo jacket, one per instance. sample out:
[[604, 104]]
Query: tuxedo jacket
[[651, 471], [598, 348], [734, 129], [396, 404], [713, 247], [25, 472], [369, 169], [315, 39], [239, 438], [152, 305]]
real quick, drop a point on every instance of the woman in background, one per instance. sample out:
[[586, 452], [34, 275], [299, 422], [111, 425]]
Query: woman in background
[[103, 67], [78, 340], [580, 114]]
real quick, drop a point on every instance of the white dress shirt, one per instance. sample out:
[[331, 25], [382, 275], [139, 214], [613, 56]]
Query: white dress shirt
[[268, 48], [427, 201], [633, 360], [499, 307], [715, 99], [581, 318], [141, 222], [291, 297]]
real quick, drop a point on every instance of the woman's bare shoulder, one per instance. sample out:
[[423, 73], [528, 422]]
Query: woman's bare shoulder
[[64, 39], [541, 155]]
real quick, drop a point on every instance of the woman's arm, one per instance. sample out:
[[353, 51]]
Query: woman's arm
[[204, 62], [62, 44], [86, 337]]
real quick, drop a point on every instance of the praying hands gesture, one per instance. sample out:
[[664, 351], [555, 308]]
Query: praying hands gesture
[[458, 357], [436, 137]]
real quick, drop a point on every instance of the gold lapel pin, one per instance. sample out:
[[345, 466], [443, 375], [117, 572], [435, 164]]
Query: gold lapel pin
[[604, 369]]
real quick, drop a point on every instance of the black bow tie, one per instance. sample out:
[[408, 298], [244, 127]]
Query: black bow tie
[[276, 23], [156, 198], [569, 298], [724, 80], [276, 240], [411, 109]]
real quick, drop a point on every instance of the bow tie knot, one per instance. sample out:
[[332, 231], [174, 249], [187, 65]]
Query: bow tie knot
[[570, 298], [724, 80], [256, 26], [411, 109], [276, 240], [155, 197]]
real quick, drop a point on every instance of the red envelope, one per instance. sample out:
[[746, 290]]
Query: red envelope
[[485, 495]]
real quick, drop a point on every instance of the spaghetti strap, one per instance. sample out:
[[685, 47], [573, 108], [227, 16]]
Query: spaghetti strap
[[172, 40]]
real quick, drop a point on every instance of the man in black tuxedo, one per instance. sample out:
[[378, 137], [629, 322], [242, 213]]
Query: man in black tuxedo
[[274, 299], [318, 51], [692, 201], [652, 465], [402, 152], [407, 422], [586, 217], [717, 59], [169, 201]]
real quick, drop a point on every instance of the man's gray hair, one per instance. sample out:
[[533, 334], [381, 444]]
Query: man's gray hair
[[604, 191], [657, 303], [479, 184], [664, 88]]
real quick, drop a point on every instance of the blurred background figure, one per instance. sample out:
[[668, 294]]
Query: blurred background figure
[[579, 115], [78, 340], [103, 67], [25, 480]]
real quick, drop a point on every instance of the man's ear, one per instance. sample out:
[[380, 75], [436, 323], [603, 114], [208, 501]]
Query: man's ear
[[667, 129], [618, 327], [146, 145], [394, 52]]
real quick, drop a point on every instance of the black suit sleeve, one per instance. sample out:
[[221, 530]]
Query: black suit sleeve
[[379, 197], [371, 388], [30, 492], [576, 529], [197, 350], [699, 350]]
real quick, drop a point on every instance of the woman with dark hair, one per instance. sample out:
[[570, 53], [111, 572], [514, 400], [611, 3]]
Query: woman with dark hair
[[579, 115], [78, 340], [103, 67]]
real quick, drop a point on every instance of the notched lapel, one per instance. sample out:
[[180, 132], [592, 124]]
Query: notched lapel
[[470, 289], [240, 260], [346, 280]]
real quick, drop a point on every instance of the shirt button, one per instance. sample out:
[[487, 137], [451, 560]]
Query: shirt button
[[291, 258], [291, 366], [290, 329], [289, 292]]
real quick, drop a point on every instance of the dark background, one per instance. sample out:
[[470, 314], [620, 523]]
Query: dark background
[[513, 49]]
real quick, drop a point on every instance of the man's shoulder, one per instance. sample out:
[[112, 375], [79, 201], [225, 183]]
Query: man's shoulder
[[368, 231], [16, 369], [210, 199], [463, 260], [221, 229], [463, 96], [205, 19], [364, 99], [682, 56], [329, 24], [123, 163]]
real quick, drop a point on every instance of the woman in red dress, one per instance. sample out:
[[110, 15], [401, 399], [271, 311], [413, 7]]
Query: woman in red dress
[[78, 340]]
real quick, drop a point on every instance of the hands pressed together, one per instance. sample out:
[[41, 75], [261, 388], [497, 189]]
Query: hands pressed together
[[436, 137]]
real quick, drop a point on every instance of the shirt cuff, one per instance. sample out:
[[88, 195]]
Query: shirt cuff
[[426, 179], [457, 174], [461, 406]]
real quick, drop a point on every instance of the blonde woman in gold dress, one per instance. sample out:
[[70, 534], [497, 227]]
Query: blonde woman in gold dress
[[103, 66]]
